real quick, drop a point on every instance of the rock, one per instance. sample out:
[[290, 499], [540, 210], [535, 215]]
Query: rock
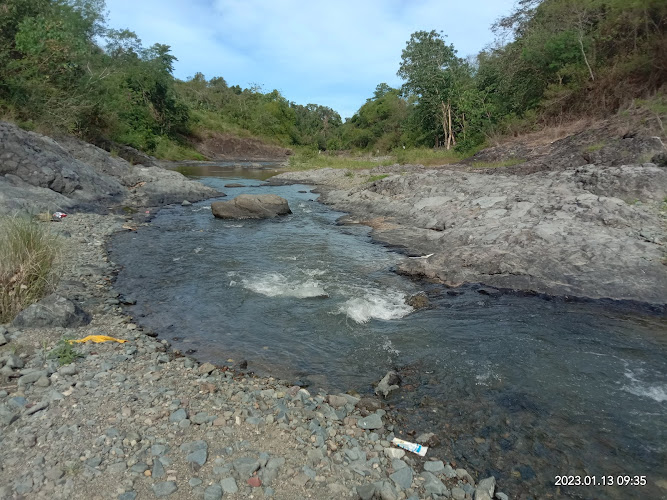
[[213, 492], [388, 383], [386, 491], [8, 415], [68, 370], [372, 421], [234, 185], [485, 489], [254, 482], [247, 206], [403, 478], [245, 466], [128, 495], [3, 339], [366, 491], [30, 378], [178, 415], [458, 493], [229, 485], [501, 496], [433, 485], [164, 488], [418, 301], [394, 453], [206, 368], [428, 439], [434, 466], [337, 401], [186, 203], [52, 311]]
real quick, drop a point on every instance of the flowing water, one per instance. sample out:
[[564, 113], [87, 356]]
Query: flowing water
[[525, 388]]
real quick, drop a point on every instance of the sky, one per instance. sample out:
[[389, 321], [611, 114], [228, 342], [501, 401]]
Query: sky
[[332, 53]]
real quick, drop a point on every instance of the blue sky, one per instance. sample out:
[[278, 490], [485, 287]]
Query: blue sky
[[331, 53]]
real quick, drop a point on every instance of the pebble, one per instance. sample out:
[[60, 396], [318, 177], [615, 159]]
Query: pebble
[[213, 492], [164, 488], [229, 485]]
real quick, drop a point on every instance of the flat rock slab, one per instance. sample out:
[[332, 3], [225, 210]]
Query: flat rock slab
[[247, 206]]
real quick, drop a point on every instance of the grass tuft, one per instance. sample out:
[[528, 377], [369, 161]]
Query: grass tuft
[[29, 264]]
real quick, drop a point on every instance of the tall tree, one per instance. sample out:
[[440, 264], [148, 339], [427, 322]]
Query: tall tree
[[428, 66]]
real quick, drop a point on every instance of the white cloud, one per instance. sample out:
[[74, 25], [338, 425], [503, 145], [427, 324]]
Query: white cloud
[[332, 53]]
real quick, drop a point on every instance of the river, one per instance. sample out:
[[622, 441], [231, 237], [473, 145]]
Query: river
[[525, 388]]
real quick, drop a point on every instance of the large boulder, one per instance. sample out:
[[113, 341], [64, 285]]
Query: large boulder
[[52, 311], [251, 206], [39, 173]]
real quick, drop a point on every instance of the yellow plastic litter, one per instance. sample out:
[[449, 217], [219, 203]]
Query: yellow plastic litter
[[97, 339]]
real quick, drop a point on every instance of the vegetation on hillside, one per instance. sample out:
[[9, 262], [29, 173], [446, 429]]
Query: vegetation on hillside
[[62, 69]]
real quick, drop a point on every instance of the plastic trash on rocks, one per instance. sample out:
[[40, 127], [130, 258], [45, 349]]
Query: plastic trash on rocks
[[413, 447], [59, 215], [97, 339]]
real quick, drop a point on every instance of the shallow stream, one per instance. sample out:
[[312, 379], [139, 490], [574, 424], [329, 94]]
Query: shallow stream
[[524, 388]]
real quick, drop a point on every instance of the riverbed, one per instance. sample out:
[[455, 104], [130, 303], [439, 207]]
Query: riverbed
[[524, 388]]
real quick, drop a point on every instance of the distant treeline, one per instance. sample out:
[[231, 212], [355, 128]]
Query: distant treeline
[[63, 69]]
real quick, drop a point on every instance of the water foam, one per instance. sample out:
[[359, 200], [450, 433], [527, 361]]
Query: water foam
[[277, 285], [637, 387], [373, 305]]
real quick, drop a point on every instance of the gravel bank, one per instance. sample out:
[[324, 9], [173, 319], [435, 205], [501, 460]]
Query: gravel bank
[[139, 420]]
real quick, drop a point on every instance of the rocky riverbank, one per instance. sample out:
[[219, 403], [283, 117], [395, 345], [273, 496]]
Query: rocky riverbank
[[587, 230], [139, 420]]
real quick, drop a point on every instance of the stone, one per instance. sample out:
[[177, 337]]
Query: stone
[[388, 384], [337, 401], [501, 496], [458, 493], [128, 495], [366, 491], [3, 339], [186, 203], [178, 415], [30, 378], [372, 421], [246, 206], [485, 489], [213, 492], [52, 311], [433, 485], [197, 457], [245, 466], [68, 370], [403, 478], [434, 466], [206, 368], [394, 453], [164, 488], [418, 301], [254, 482], [229, 485], [386, 491]]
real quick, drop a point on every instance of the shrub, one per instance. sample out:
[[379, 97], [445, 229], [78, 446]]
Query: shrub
[[29, 264]]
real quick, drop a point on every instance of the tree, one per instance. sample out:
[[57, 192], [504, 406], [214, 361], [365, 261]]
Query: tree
[[428, 66]]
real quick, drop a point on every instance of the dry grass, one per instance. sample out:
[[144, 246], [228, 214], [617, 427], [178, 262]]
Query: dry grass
[[30, 257]]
